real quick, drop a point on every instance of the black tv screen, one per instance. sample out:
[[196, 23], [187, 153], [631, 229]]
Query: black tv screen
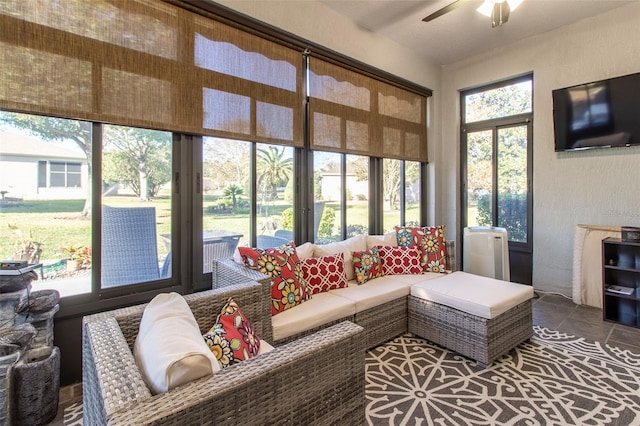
[[602, 114]]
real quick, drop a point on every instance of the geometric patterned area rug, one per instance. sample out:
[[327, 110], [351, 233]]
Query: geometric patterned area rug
[[73, 415], [552, 379]]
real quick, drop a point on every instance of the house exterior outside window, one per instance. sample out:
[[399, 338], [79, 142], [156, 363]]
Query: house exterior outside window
[[65, 175]]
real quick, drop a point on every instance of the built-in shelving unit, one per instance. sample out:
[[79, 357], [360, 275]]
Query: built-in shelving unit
[[621, 281]]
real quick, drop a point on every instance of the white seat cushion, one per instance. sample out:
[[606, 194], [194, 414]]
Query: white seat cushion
[[477, 295], [379, 290], [264, 347], [321, 309], [418, 278]]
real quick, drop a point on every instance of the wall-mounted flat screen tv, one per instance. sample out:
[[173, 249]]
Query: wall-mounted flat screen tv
[[602, 114]]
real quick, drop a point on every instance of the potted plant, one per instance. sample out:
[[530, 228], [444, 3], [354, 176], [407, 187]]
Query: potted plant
[[78, 257]]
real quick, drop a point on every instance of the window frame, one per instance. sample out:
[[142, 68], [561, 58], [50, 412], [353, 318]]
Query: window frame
[[494, 125]]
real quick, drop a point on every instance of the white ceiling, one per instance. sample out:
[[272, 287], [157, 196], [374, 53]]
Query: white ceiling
[[463, 32]]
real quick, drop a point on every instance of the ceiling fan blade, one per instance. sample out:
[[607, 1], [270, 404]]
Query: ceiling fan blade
[[456, 4]]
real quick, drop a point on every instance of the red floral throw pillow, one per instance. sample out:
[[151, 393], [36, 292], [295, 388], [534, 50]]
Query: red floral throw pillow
[[431, 242], [366, 265], [400, 260], [232, 338], [288, 287], [324, 273]]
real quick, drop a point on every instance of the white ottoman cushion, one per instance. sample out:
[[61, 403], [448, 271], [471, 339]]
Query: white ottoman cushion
[[480, 296]]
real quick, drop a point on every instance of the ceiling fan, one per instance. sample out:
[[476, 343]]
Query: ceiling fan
[[497, 10]]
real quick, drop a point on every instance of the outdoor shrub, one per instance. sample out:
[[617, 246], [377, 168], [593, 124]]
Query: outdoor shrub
[[353, 230], [512, 214], [287, 218], [325, 229], [288, 191]]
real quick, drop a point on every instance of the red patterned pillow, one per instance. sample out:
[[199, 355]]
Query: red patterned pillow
[[288, 287], [232, 338], [431, 242], [400, 260], [366, 265], [324, 273]]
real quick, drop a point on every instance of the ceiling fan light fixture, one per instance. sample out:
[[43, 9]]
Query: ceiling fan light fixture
[[500, 14], [486, 8]]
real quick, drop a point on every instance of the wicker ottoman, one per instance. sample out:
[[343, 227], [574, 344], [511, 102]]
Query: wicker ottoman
[[478, 317]]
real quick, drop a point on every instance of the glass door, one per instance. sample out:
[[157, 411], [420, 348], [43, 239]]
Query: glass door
[[497, 165]]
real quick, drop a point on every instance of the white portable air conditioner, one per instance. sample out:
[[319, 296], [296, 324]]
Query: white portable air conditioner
[[486, 252]]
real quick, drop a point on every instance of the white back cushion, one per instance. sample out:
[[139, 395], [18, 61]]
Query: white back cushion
[[348, 246], [305, 251], [388, 239], [169, 348]]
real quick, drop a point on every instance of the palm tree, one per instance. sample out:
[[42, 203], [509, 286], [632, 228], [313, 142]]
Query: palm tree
[[233, 191], [273, 169]]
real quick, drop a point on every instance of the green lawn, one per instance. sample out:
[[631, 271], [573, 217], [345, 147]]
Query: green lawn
[[56, 224]]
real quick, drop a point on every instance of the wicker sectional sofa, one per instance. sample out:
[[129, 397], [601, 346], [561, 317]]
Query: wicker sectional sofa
[[326, 386], [326, 355], [379, 305]]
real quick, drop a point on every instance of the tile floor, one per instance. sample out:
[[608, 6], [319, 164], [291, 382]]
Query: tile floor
[[549, 310], [560, 313]]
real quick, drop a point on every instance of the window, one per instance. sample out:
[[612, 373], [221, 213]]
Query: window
[[136, 206], [507, 100], [65, 175], [401, 193], [42, 222], [357, 203], [497, 172], [226, 198], [391, 184], [328, 184], [340, 214], [274, 193], [412, 193]]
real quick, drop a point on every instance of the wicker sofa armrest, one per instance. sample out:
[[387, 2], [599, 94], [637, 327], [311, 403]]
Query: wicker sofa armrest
[[318, 379], [110, 377], [228, 272]]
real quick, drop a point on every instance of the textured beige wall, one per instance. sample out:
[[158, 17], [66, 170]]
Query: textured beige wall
[[599, 187]]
